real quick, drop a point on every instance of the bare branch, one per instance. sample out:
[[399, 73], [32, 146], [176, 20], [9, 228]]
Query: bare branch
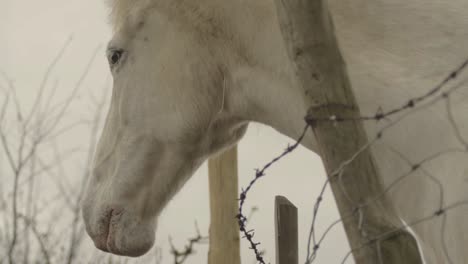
[[36, 105], [39, 237], [181, 256]]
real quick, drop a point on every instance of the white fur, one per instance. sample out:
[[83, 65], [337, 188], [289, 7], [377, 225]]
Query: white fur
[[196, 71]]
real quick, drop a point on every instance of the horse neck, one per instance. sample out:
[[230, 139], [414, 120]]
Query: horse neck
[[264, 88], [264, 96]]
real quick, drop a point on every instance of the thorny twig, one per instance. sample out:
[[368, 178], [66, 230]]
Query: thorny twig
[[37, 128], [181, 256]]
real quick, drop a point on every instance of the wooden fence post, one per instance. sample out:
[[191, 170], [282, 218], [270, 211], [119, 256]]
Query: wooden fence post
[[286, 231], [309, 36], [224, 230]]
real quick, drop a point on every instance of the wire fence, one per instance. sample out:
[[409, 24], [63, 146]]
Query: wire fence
[[439, 93]]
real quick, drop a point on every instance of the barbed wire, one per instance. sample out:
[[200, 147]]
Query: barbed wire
[[415, 104], [242, 219], [380, 114], [414, 167]]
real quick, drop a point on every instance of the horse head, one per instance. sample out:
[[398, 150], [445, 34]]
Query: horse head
[[169, 111]]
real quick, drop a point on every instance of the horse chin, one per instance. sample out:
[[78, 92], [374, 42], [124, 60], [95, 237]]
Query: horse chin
[[119, 233]]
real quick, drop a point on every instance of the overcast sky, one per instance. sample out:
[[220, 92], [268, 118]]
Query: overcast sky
[[32, 32]]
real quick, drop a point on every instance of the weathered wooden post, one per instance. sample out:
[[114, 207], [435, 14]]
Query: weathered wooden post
[[224, 230], [308, 32], [286, 231]]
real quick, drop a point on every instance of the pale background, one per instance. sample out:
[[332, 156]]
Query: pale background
[[32, 32]]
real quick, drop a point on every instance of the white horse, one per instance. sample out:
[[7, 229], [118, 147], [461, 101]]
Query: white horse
[[189, 75]]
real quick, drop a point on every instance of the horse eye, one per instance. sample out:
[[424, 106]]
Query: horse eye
[[115, 56]]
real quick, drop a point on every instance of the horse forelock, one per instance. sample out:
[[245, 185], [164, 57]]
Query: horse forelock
[[123, 10], [208, 18]]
